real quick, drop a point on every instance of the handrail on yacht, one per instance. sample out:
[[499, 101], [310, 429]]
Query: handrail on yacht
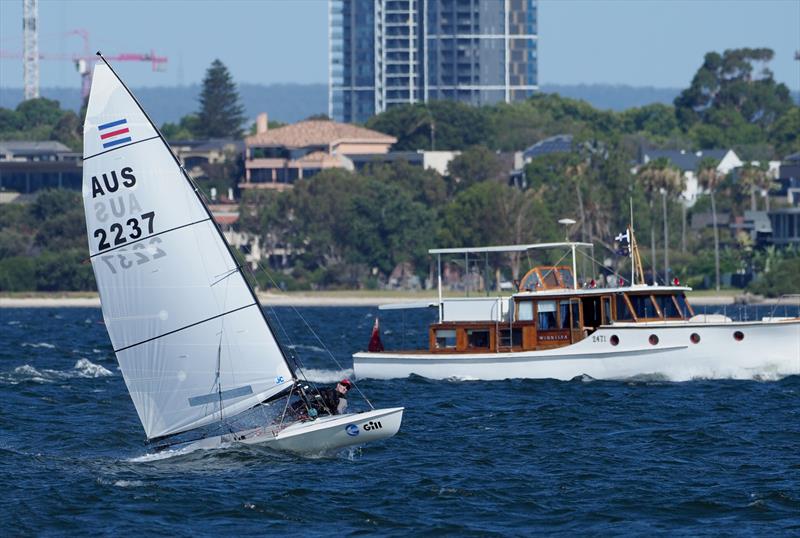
[[507, 248]]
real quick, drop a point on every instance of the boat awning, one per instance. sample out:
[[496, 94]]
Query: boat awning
[[506, 248]]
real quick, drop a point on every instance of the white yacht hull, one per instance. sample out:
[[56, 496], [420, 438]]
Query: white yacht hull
[[767, 349], [320, 436]]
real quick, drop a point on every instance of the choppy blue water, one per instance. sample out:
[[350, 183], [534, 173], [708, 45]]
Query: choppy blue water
[[706, 457]]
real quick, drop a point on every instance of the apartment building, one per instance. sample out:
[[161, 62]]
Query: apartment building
[[389, 52]]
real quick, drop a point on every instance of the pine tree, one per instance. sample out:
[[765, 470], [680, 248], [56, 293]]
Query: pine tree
[[221, 114]]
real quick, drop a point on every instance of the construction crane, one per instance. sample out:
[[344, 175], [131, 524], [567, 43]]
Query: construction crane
[[84, 61]]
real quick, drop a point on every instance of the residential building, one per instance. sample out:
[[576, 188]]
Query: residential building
[[428, 160], [785, 226], [555, 144], [756, 224], [689, 163], [276, 158], [27, 167], [388, 52], [197, 155], [789, 179]]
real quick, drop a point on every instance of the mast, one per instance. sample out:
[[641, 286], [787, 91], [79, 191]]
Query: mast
[[196, 191]]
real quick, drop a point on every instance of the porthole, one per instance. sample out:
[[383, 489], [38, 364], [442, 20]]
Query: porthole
[[695, 338], [738, 336], [614, 340], [653, 339]]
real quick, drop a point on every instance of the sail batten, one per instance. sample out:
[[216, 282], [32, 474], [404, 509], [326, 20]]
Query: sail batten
[[148, 237], [184, 328], [114, 149], [175, 302]]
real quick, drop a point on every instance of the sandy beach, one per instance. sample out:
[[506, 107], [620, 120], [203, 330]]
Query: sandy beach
[[286, 299], [339, 298]]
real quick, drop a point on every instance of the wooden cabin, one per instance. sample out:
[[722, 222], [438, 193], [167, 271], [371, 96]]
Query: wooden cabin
[[549, 312]]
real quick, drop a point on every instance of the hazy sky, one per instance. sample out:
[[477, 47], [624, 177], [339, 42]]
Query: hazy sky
[[641, 43]]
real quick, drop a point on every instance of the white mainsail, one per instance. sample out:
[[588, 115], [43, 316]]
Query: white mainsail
[[189, 335]]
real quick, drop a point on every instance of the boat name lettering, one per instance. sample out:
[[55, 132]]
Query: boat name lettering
[[372, 425], [125, 258], [553, 337], [598, 338], [111, 181], [120, 234]]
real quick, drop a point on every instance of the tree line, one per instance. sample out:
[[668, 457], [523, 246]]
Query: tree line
[[351, 229]]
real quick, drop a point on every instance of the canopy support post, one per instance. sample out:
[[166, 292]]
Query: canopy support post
[[439, 262], [574, 269]]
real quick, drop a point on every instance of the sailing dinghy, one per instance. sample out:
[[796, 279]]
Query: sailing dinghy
[[194, 345]]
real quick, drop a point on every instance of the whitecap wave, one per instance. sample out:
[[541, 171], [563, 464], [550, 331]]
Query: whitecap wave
[[306, 347], [172, 453], [26, 372], [129, 483], [87, 368], [40, 344], [83, 368], [326, 376]]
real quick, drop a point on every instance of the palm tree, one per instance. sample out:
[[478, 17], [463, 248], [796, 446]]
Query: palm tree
[[577, 173], [747, 182], [660, 176], [709, 178], [762, 180], [673, 184]]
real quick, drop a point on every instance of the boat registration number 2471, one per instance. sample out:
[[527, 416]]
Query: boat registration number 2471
[[599, 338]]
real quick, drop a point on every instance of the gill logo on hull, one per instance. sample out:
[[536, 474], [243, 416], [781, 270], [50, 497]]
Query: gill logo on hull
[[372, 425], [351, 429]]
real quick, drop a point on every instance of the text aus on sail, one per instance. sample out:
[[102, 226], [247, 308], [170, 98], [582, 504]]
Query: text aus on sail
[[116, 204]]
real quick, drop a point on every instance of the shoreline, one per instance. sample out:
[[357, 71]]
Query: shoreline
[[334, 299]]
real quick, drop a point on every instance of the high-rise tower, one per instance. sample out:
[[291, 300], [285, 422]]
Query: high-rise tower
[[389, 52], [30, 48]]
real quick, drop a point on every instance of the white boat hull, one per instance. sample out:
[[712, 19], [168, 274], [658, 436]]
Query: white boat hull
[[767, 349], [320, 436]]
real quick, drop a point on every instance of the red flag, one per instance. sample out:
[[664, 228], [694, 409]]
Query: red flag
[[375, 344]]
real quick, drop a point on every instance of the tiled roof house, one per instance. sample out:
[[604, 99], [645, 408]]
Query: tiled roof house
[[276, 158]]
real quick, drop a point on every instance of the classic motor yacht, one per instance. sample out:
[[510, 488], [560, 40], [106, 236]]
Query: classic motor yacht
[[553, 328]]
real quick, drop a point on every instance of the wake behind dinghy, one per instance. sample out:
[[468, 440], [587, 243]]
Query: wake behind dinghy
[[194, 345]]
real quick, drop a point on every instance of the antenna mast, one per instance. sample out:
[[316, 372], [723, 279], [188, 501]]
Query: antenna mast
[[30, 48]]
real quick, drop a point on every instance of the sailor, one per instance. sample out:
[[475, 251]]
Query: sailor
[[334, 400]]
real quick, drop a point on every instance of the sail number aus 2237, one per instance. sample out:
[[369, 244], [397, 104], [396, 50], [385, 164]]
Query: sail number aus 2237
[[120, 234]]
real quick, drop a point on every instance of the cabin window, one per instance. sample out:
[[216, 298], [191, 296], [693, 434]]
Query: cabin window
[[531, 282], [550, 279], [478, 338], [547, 315], [525, 311], [591, 312], [644, 306], [684, 307], [623, 312], [566, 277], [515, 340], [667, 306], [570, 317], [445, 339], [607, 309], [576, 314]]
